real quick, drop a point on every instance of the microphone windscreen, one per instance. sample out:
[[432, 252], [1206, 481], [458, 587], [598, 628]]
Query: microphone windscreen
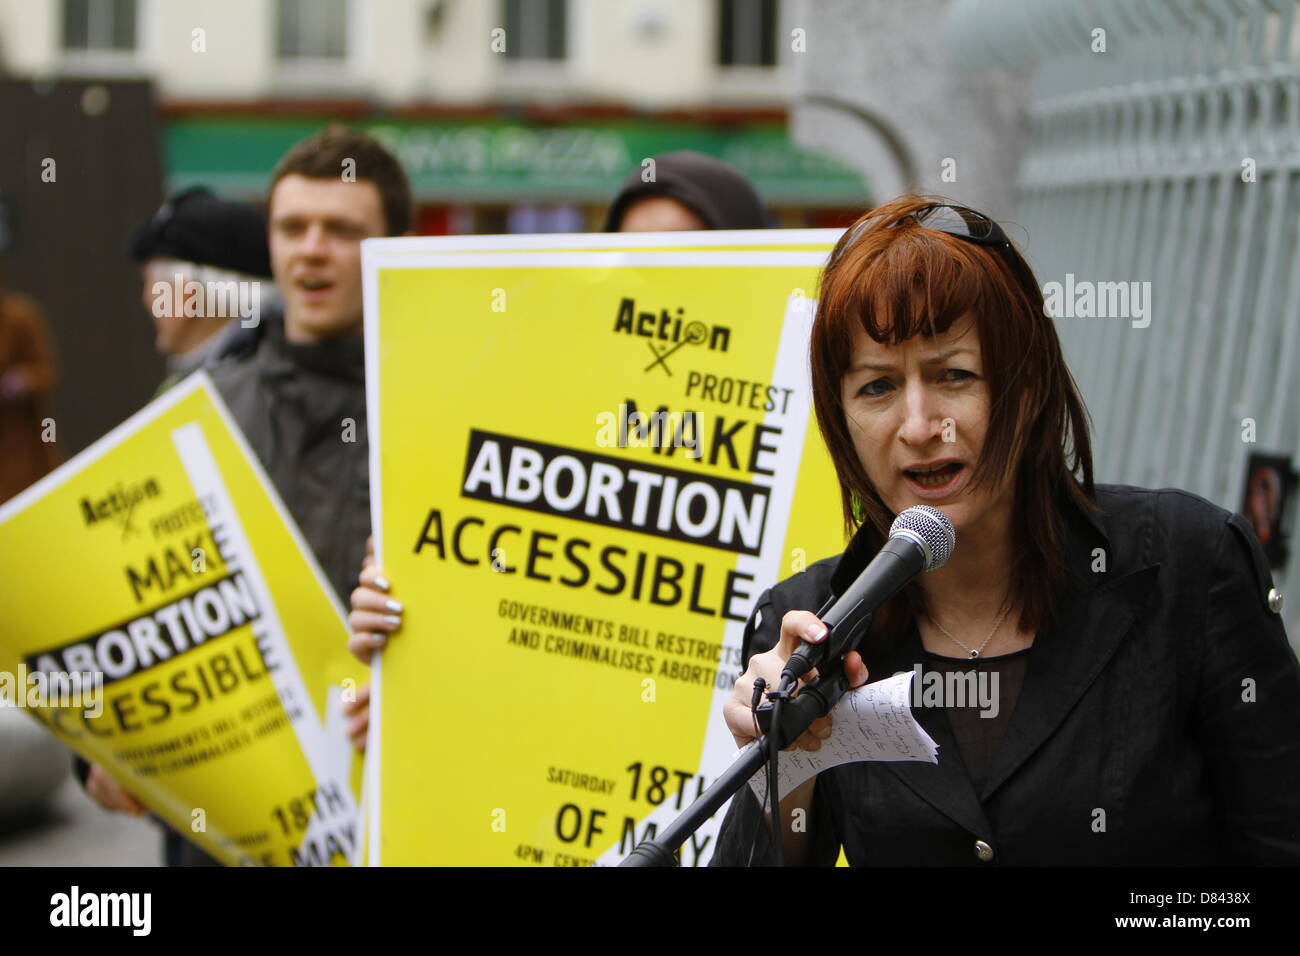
[[932, 527]]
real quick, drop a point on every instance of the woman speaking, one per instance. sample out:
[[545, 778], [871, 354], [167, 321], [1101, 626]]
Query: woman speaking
[[1147, 703]]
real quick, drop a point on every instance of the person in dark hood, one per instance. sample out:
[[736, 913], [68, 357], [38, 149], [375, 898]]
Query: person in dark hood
[[685, 190]]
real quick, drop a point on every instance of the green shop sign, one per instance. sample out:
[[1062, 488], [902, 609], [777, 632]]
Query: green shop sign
[[504, 161]]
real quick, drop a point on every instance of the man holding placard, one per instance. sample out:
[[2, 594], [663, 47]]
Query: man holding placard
[[300, 397]]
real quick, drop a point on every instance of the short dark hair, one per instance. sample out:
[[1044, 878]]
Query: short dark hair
[[894, 279], [321, 156]]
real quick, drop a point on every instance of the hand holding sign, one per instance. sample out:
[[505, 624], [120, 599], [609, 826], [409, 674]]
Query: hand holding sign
[[374, 614], [110, 794]]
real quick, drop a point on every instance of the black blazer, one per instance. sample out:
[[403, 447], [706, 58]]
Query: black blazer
[[1165, 696]]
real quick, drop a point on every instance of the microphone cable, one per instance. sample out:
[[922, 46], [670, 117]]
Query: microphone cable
[[774, 741]]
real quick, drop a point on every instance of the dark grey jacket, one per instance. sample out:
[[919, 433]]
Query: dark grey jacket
[[1166, 695], [303, 409]]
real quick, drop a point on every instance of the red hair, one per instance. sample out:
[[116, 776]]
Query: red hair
[[894, 278]]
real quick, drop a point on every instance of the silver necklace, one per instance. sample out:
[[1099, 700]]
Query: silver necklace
[[975, 652]]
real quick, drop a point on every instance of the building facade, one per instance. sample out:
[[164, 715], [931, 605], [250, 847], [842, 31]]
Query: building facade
[[510, 115]]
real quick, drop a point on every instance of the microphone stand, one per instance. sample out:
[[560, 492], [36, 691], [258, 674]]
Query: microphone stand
[[907, 552], [814, 701]]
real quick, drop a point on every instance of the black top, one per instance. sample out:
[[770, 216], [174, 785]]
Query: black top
[[977, 719]]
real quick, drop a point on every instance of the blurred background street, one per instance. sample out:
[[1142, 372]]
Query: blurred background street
[[46, 818], [75, 831]]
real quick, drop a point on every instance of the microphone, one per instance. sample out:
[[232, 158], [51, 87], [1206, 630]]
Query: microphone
[[920, 539]]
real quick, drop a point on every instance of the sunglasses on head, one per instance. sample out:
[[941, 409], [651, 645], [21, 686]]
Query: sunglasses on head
[[963, 223], [960, 221]]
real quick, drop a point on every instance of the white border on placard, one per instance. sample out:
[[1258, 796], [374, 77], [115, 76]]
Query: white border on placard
[[605, 258], [330, 761], [370, 331], [577, 241], [558, 250]]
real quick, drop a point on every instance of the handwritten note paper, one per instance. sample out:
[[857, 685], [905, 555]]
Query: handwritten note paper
[[874, 722]]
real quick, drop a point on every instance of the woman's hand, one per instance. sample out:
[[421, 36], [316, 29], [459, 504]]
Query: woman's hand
[[110, 794], [374, 615], [359, 710], [797, 627]]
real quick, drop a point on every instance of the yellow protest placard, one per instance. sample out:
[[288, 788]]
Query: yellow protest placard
[[163, 616], [587, 461]]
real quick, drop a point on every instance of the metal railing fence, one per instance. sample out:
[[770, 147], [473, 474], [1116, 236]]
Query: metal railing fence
[[1165, 149]]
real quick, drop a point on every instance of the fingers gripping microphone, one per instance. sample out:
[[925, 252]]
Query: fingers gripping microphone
[[920, 539]]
